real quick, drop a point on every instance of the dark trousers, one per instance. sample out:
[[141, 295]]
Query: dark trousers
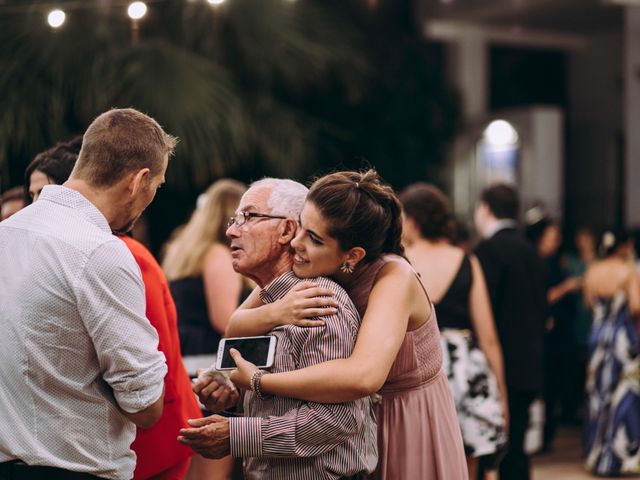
[[515, 464], [17, 470]]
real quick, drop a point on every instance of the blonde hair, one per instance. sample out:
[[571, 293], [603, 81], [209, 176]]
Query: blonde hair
[[189, 244]]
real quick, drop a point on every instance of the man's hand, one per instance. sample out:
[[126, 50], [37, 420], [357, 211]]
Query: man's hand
[[209, 436], [214, 395]]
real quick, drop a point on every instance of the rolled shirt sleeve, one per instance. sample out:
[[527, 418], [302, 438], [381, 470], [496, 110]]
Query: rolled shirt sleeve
[[111, 302]]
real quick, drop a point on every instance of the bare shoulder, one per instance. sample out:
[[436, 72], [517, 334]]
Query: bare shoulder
[[399, 277], [398, 268], [216, 252]]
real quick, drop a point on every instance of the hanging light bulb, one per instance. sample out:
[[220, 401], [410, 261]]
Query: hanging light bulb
[[56, 18], [137, 10]]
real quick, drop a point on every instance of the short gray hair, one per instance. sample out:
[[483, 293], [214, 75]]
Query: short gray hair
[[286, 197]]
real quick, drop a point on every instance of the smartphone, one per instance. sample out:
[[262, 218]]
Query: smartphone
[[258, 350]]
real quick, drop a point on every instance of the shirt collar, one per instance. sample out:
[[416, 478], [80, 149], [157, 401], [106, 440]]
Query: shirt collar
[[501, 225], [278, 287], [73, 199]]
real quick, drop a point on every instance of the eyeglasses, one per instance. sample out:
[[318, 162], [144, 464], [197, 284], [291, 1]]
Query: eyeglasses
[[243, 217]]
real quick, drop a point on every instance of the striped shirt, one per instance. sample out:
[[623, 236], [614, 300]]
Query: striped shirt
[[75, 346], [284, 438]]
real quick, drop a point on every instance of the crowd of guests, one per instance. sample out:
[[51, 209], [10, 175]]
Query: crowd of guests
[[402, 352]]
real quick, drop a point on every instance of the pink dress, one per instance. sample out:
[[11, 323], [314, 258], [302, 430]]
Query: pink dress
[[418, 431]]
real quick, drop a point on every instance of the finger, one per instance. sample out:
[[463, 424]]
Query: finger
[[210, 390], [309, 323], [319, 312], [237, 357], [318, 302], [224, 398], [201, 422], [317, 292], [202, 383]]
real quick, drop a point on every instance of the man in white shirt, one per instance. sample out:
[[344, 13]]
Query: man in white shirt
[[80, 365]]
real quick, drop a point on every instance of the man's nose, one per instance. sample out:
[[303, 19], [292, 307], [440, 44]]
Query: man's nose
[[232, 231]]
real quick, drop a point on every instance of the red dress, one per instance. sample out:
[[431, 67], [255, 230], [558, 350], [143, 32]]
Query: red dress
[[159, 453]]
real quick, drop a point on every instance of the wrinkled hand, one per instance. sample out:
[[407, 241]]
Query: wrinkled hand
[[214, 395], [209, 436], [305, 301], [241, 376]]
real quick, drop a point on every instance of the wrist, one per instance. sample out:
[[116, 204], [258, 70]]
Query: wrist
[[255, 384], [272, 317]]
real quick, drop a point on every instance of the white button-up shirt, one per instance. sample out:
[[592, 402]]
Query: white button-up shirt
[[74, 341]]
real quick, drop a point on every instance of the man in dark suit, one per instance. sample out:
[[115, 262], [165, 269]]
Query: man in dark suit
[[515, 279]]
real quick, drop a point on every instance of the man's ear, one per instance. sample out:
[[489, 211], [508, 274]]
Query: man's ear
[[139, 180], [289, 231], [355, 255]]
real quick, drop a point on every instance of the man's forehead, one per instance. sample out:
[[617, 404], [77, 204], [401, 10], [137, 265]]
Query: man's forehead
[[256, 198]]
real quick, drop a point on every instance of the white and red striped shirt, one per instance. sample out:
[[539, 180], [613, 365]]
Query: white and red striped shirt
[[284, 438]]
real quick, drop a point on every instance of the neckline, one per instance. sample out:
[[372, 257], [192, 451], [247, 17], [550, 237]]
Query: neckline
[[453, 279]]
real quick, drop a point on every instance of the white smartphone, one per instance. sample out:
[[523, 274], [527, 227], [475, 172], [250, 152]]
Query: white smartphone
[[258, 350]]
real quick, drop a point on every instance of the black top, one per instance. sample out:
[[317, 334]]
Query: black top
[[453, 308], [516, 281], [197, 336]]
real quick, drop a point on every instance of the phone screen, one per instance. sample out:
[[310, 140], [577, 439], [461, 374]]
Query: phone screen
[[255, 350]]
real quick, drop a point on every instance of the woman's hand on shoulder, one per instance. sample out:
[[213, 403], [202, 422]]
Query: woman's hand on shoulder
[[303, 303]]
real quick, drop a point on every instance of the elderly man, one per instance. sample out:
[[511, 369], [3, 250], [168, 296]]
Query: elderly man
[[81, 366], [284, 437]]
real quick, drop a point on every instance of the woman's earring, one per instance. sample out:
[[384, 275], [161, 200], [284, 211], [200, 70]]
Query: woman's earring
[[347, 268]]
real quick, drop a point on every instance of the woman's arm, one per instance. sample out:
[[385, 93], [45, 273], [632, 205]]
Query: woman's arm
[[381, 334], [633, 293], [298, 307], [222, 286], [485, 329]]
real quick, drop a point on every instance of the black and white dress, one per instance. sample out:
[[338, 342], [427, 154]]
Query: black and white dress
[[473, 384]]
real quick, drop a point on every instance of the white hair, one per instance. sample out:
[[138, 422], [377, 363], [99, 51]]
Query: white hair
[[286, 197]]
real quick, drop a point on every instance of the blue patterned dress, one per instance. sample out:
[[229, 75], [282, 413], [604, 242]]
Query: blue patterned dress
[[613, 387]]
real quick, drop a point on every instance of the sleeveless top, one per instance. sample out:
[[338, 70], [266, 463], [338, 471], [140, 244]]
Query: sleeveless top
[[419, 359], [197, 336], [453, 307]]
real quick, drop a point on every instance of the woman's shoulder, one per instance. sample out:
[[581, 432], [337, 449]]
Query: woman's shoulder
[[217, 251], [397, 269]]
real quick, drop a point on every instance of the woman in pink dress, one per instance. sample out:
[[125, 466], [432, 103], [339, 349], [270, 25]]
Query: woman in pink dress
[[350, 230]]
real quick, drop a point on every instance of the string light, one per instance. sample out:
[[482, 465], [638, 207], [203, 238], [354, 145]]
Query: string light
[[56, 18], [137, 10]]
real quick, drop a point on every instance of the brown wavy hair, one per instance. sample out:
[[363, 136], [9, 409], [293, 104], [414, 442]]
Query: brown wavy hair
[[361, 211], [430, 208]]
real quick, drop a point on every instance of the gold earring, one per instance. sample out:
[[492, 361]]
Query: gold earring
[[347, 268]]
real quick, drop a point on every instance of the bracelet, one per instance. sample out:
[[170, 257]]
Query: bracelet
[[255, 384]]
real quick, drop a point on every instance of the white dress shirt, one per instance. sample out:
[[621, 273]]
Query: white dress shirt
[[74, 341]]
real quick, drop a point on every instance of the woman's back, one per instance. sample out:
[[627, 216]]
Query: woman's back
[[612, 429], [446, 272], [607, 277]]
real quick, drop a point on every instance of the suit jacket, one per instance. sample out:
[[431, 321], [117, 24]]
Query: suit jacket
[[515, 277], [157, 448]]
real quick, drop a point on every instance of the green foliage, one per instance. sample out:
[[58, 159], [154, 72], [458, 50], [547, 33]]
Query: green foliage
[[250, 87], [208, 75]]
